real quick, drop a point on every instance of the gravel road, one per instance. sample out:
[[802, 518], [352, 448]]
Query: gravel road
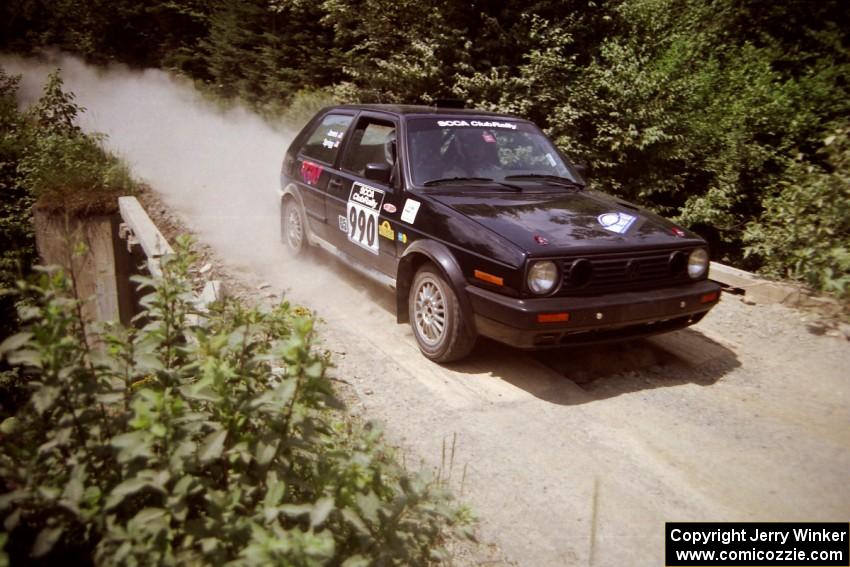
[[569, 457], [579, 456]]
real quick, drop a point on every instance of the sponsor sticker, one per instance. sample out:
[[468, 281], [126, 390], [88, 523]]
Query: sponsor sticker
[[389, 208], [489, 138], [386, 231], [364, 202], [616, 222], [475, 124], [310, 172], [343, 223], [408, 214], [402, 237]]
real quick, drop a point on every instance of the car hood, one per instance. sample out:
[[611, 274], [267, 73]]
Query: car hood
[[567, 222]]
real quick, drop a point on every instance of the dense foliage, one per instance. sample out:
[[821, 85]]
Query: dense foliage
[[715, 113], [187, 443], [17, 245], [46, 162]]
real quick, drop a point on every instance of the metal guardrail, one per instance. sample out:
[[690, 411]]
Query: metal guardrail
[[760, 290], [138, 228]]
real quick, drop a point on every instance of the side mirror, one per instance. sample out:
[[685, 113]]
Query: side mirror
[[380, 172]]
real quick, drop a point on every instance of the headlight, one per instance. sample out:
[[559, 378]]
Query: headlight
[[542, 277], [697, 263]]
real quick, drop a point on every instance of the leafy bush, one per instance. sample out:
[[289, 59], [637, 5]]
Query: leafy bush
[[17, 240], [64, 168], [45, 161], [804, 232], [185, 444]]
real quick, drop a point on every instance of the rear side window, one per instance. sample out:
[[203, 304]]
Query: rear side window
[[372, 142], [323, 144]]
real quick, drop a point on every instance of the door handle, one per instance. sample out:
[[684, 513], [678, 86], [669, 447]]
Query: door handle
[[335, 182]]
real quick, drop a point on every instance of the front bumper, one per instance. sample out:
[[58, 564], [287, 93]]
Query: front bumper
[[594, 319]]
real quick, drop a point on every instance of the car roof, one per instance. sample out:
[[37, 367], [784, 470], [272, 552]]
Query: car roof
[[416, 109]]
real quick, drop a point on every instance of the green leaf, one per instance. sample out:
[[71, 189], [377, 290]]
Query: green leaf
[[14, 343], [146, 515], [321, 510], [266, 452], [130, 487], [45, 540], [24, 357], [12, 497], [315, 370], [9, 425], [212, 446], [45, 397], [181, 488], [369, 504], [49, 493], [285, 391], [355, 521], [357, 561], [110, 398], [91, 496], [296, 510], [132, 445], [205, 394], [12, 520], [149, 363], [274, 494], [73, 492]]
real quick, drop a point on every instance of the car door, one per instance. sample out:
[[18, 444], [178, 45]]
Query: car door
[[366, 210], [314, 167]]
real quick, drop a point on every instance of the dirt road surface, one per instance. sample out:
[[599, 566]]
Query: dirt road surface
[[569, 457]]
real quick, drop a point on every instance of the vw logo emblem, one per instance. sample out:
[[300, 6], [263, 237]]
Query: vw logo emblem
[[616, 222]]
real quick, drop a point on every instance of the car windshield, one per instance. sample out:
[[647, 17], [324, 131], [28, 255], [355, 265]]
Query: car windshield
[[485, 148]]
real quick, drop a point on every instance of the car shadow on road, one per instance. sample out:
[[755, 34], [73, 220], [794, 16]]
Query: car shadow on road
[[584, 374]]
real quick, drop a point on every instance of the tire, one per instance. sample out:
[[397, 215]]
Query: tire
[[441, 331], [293, 229]]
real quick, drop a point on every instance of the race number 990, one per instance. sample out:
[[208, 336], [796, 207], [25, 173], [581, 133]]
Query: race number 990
[[363, 227], [362, 208]]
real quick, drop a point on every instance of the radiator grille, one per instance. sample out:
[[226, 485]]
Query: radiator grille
[[623, 272]]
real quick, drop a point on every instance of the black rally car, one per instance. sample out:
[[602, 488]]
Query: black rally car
[[483, 228]]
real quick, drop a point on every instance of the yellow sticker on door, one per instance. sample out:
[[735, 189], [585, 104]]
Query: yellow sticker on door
[[386, 231]]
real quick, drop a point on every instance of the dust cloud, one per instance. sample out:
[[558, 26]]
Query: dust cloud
[[218, 169]]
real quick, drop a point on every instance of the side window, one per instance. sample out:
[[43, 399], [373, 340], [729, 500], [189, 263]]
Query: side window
[[323, 144], [373, 141]]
